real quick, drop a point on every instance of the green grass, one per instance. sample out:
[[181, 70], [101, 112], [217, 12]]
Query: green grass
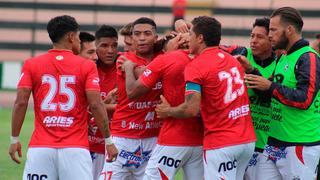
[[9, 170]]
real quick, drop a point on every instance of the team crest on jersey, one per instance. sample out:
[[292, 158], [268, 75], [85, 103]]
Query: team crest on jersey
[[286, 67], [136, 158], [95, 81], [59, 58], [276, 153]]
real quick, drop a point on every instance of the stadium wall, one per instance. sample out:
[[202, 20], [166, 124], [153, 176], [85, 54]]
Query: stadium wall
[[23, 22]]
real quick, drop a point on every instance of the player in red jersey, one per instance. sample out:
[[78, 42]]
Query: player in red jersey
[[215, 87], [180, 140], [63, 85], [134, 125], [88, 47], [107, 43]]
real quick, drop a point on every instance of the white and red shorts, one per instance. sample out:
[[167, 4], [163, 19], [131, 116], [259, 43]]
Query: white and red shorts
[[228, 162], [167, 160], [132, 159], [58, 163]]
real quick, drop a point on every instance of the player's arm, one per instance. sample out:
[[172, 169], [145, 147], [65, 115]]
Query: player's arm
[[308, 82], [189, 108], [307, 87], [134, 88], [18, 114], [101, 117]]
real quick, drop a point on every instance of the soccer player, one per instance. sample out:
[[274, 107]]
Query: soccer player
[[180, 140], [126, 32], [88, 48], [134, 125], [63, 85], [107, 43], [262, 57], [215, 87], [293, 146]]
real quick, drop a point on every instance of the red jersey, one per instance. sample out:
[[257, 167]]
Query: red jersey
[[107, 76], [169, 69], [224, 99], [59, 80], [136, 118]]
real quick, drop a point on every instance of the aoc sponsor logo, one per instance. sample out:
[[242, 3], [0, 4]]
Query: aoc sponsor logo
[[170, 162], [239, 112], [227, 166], [58, 121]]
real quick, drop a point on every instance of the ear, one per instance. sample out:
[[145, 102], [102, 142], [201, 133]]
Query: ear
[[155, 38], [290, 30], [200, 38], [71, 36]]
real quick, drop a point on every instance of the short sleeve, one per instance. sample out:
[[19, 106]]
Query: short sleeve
[[152, 73], [192, 74], [25, 80], [92, 78]]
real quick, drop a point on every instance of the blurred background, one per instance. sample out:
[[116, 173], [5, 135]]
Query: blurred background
[[23, 22], [23, 35]]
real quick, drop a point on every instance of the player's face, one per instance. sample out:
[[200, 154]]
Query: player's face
[[144, 37], [277, 33], [75, 40], [107, 49], [89, 51], [128, 46], [193, 42], [259, 41]]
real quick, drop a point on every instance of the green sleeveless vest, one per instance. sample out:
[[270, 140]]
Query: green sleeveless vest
[[260, 111], [291, 124]]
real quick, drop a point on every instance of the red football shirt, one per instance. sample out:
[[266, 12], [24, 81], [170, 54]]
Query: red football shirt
[[169, 69], [107, 76], [59, 80], [136, 118], [224, 99]]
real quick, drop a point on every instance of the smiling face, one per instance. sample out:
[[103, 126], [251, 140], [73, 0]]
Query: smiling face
[[144, 38], [107, 49]]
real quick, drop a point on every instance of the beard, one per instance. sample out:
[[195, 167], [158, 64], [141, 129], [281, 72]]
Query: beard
[[283, 42]]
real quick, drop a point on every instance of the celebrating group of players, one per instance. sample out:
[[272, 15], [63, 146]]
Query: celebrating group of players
[[181, 102]]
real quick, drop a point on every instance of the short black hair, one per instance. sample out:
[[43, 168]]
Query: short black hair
[[289, 15], [209, 27], [262, 22], [318, 36], [59, 26], [86, 37], [145, 20], [106, 31]]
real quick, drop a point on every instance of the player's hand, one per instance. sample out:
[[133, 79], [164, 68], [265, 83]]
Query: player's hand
[[245, 63], [126, 64], [12, 151], [112, 152], [257, 82], [182, 26], [111, 97], [163, 109]]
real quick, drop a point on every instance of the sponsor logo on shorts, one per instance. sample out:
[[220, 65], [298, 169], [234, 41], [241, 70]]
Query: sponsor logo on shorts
[[136, 158], [253, 161], [168, 161], [227, 166], [276, 153]]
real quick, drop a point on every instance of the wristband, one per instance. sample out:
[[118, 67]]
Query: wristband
[[108, 141], [14, 139]]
